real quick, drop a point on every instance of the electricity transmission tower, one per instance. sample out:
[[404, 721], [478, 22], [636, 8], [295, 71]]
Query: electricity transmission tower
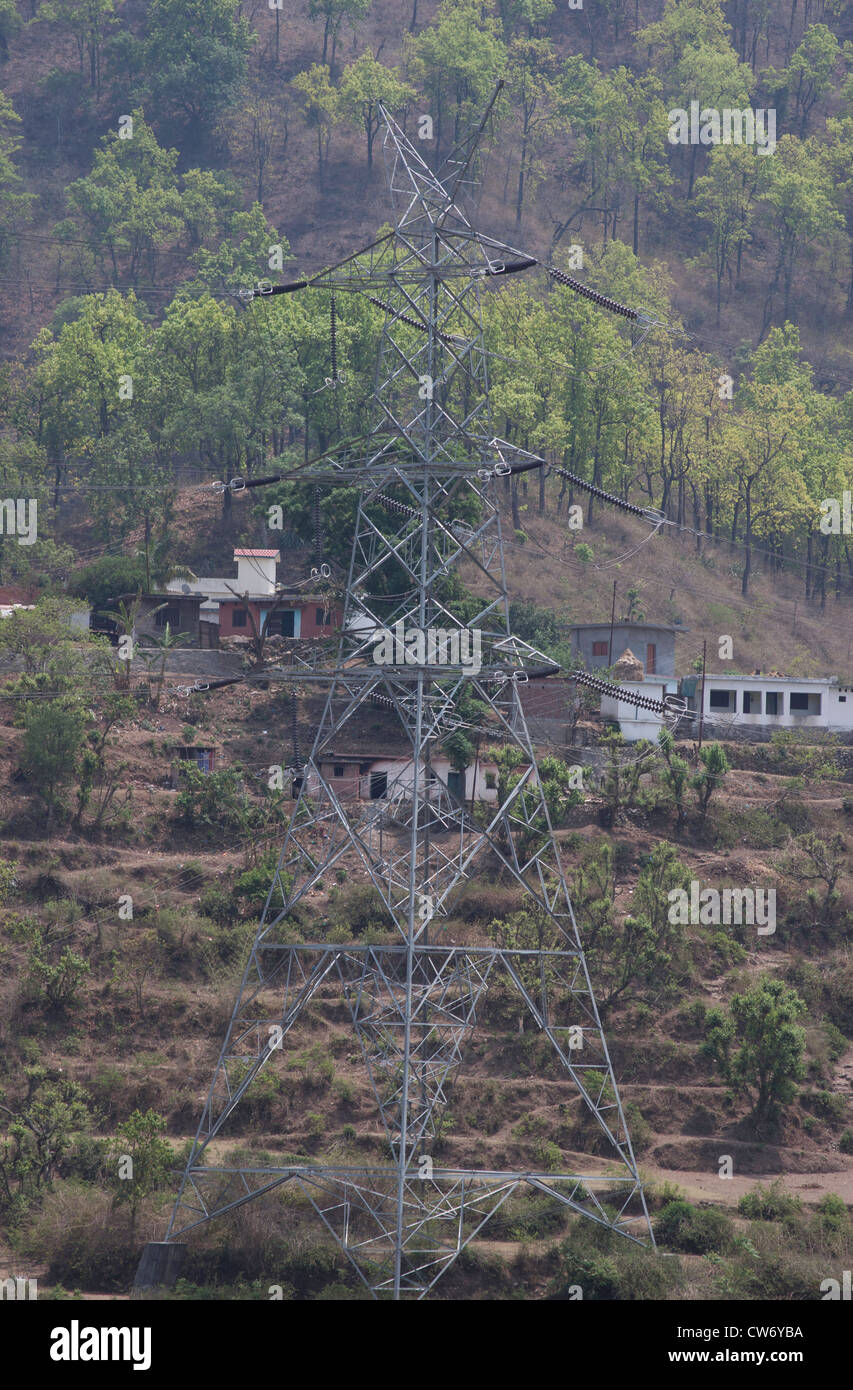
[[428, 474]]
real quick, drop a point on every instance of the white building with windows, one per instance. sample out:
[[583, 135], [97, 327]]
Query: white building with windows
[[773, 702]]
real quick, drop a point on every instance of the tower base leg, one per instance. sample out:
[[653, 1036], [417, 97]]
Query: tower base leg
[[159, 1267]]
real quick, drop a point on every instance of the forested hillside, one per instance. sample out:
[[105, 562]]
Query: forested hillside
[[157, 159]]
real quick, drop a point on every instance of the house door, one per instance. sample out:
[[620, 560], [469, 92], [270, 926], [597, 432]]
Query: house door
[[378, 785], [456, 785], [287, 626], [651, 658]]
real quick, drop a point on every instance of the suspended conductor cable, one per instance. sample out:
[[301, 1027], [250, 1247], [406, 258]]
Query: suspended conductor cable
[[645, 513]]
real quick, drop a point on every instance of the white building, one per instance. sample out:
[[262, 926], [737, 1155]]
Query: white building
[[378, 777], [256, 575], [634, 721], [775, 702]]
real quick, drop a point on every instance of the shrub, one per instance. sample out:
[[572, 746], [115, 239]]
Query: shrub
[[596, 1276], [59, 981], [106, 577], [693, 1230], [251, 888], [833, 1215], [527, 1218], [769, 1203], [360, 908], [644, 1276], [217, 904], [77, 1234], [211, 801], [845, 1143]]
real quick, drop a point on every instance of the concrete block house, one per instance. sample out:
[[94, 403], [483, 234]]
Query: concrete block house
[[278, 598]]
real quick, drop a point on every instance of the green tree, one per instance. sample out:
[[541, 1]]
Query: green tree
[[818, 859], [529, 931], [196, 53], [129, 206], [140, 960], [37, 1133], [333, 13], [620, 783], [10, 25], [457, 60], [705, 783], [725, 197], [98, 782], [213, 800], [810, 71], [644, 957], [530, 74], [838, 156], [90, 22], [36, 635], [800, 204], [53, 738], [141, 1160], [322, 108], [759, 1047], [58, 975], [363, 85], [14, 201], [105, 578], [675, 772]]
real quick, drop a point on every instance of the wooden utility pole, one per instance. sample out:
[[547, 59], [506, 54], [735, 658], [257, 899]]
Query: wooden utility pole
[[702, 696], [612, 621]]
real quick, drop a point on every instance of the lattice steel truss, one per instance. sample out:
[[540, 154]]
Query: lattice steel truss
[[427, 474]]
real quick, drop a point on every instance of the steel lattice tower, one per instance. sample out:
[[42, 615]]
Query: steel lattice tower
[[430, 461]]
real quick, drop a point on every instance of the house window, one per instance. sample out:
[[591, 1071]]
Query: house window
[[239, 617], [752, 702], [490, 781], [842, 699], [722, 699], [600, 648], [324, 617], [338, 770], [773, 702], [171, 614], [804, 703], [651, 658]]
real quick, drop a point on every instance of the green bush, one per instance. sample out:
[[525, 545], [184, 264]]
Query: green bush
[[595, 1275], [252, 887], [833, 1216], [209, 801], [217, 904], [693, 1230], [527, 1218], [361, 908], [769, 1203], [106, 579]]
